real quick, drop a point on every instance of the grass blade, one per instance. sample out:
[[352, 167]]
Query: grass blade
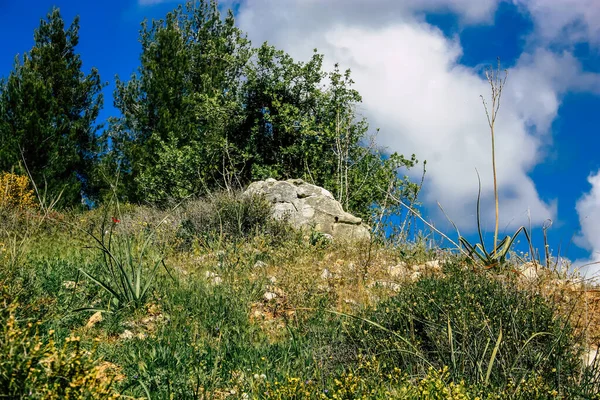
[[451, 341], [493, 358]]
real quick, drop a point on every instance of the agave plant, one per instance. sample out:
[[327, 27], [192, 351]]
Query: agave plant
[[129, 270], [128, 277], [497, 256]]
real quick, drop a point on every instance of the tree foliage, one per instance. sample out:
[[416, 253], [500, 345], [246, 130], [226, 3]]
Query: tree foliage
[[181, 107], [48, 108], [206, 110]]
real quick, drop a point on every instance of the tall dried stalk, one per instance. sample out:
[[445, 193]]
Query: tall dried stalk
[[496, 84]]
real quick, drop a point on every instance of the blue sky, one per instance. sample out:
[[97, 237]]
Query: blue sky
[[419, 67]]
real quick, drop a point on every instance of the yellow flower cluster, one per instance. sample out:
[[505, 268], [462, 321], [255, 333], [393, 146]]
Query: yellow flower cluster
[[37, 367], [16, 192], [363, 385]]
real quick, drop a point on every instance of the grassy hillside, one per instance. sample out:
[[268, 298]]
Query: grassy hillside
[[213, 300]]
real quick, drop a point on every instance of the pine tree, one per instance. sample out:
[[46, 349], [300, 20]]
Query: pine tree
[[180, 108], [48, 109]]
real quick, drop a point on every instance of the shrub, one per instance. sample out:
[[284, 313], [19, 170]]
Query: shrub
[[367, 382], [16, 192], [37, 368], [229, 216], [487, 332]]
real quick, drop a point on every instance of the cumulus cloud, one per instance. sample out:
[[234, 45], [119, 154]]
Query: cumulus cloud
[[588, 209], [425, 102], [564, 21]]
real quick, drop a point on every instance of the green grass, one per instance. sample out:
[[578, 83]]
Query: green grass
[[451, 334]]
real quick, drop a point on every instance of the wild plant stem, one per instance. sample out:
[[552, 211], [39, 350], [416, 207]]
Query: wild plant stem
[[497, 85], [495, 184]]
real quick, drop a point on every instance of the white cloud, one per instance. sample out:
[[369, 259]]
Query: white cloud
[[588, 209], [425, 102], [564, 21]]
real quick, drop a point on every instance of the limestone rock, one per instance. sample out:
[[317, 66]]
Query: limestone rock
[[589, 356], [326, 274], [310, 206], [398, 271], [268, 296], [213, 278]]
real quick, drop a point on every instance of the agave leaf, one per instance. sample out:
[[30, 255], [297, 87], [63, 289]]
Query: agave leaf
[[102, 284], [510, 242], [473, 250], [151, 278], [481, 248], [451, 341], [93, 309]]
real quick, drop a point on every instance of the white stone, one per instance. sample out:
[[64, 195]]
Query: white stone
[[126, 335], [589, 357], [397, 271], [260, 264], [415, 276], [309, 206], [270, 296]]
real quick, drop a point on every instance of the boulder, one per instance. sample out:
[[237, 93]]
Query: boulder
[[310, 206]]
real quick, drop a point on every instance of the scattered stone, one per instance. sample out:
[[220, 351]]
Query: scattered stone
[[323, 288], [270, 296], [428, 266], [351, 301], [385, 284], [308, 206], [69, 285], [326, 237], [213, 277], [326, 274], [397, 271], [589, 357], [434, 265], [415, 276], [126, 335], [273, 280], [529, 270], [260, 264]]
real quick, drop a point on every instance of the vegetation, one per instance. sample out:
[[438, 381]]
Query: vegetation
[[48, 111], [244, 314], [198, 293], [206, 111]]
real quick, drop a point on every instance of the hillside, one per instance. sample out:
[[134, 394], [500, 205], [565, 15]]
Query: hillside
[[232, 304], [233, 229]]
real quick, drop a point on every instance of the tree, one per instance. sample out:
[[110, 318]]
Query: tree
[[302, 123], [48, 109], [280, 134], [206, 111], [180, 109]]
